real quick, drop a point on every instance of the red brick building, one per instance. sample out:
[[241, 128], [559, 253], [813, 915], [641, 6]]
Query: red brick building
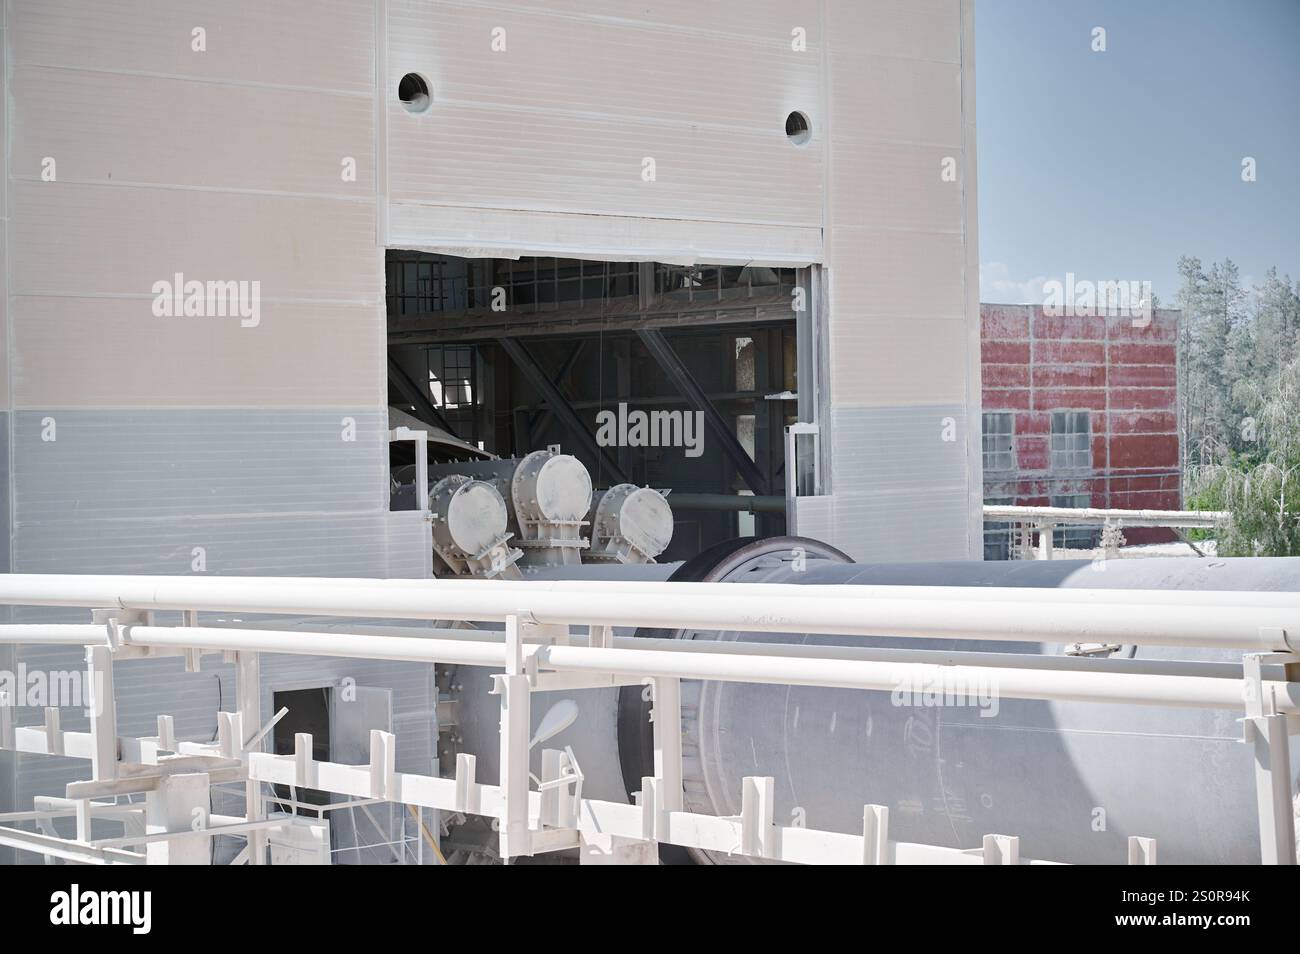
[[1078, 412]]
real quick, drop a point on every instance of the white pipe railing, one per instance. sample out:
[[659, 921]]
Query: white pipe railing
[[1247, 621], [1103, 516], [538, 651], [1044, 520], [754, 663]]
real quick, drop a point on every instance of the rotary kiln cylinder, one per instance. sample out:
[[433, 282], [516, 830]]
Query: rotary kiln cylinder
[[1072, 780]]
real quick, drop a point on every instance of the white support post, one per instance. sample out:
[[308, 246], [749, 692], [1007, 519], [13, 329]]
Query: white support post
[[875, 835], [53, 732], [466, 787], [230, 734], [1141, 851], [515, 729], [756, 806], [570, 805], [179, 804], [1001, 850], [667, 715], [304, 764], [167, 733], [103, 712], [383, 765], [649, 804], [1045, 540], [1267, 730], [248, 701], [421, 470], [6, 721], [552, 794], [81, 807], [1273, 788]]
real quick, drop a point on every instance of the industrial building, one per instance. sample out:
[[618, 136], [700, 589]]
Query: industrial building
[[428, 421], [1079, 411]]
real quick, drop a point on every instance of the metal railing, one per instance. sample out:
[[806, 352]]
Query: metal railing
[[1027, 521], [538, 651]]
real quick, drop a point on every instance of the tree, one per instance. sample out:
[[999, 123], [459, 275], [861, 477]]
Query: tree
[[1260, 487], [1217, 351]]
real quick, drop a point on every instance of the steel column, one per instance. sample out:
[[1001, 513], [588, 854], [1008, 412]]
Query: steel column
[[671, 364], [561, 408]]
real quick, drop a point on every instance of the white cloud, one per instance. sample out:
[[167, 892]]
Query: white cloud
[[998, 287]]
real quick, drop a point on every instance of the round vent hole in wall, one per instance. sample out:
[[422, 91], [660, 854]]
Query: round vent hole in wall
[[413, 91], [797, 129]]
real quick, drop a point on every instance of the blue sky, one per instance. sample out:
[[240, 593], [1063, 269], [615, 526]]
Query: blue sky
[[1112, 165]]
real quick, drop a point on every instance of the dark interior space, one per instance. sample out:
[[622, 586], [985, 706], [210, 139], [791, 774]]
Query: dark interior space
[[512, 356]]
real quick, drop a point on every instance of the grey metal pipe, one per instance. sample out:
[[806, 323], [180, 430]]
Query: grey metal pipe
[[730, 503]]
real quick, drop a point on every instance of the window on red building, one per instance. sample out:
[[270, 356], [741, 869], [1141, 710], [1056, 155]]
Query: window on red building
[[999, 447], [1071, 440], [1074, 537], [997, 533]]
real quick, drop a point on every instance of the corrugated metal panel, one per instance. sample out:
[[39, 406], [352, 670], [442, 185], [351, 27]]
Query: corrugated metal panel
[[592, 95], [152, 465], [902, 486], [355, 544], [886, 450], [588, 63], [903, 337], [76, 352], [213, 136], [892, 273], [898, 361], [894, 99], [815, 517], [918, 525], [92, 240], [914, 29], [727, 20], [306, 44], [895, 186], [6, 491]]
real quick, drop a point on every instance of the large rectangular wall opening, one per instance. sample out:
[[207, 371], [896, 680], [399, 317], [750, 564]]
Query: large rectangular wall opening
[[508, 356]]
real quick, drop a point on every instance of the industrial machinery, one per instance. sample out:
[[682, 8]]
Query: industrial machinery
[[1074, 781], [952, 762], [768, 700], [496, 517]]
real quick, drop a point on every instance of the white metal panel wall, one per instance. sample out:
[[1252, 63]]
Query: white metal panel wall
[[560, 121], [904, 345], [196, 444]]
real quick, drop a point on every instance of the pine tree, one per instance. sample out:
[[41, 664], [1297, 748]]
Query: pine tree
[[1261, 487]]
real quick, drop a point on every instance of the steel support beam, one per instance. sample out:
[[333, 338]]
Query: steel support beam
[[614, 316], [561, 408], [538, 417], [424, 408], [667, 358]]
